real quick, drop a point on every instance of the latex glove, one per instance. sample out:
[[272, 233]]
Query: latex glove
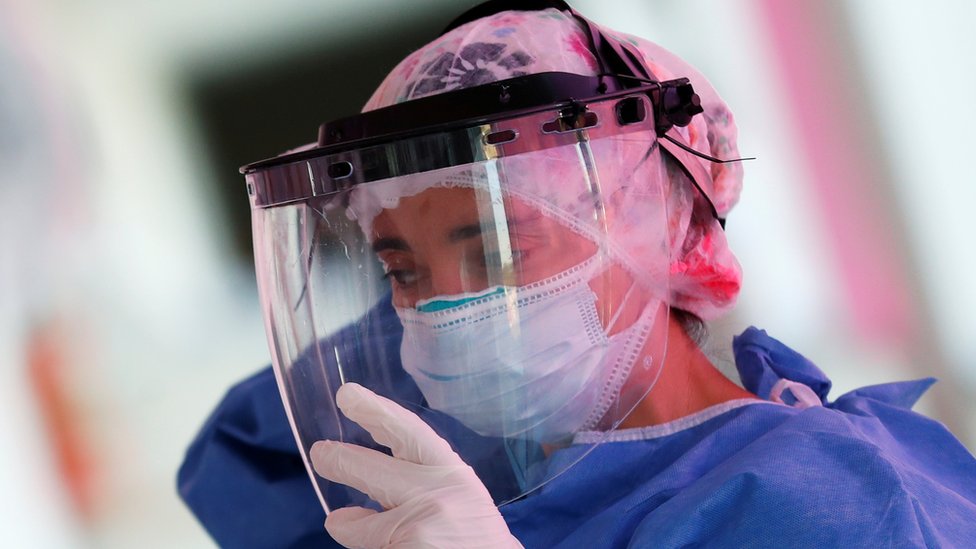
[[430, 496]]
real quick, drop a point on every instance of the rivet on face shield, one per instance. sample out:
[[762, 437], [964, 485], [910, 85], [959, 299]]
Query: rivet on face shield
[[504, 96]]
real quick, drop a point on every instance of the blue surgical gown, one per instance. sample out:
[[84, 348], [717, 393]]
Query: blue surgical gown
[[860, 471]]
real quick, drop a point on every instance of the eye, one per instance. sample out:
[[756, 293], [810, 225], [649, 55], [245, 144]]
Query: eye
[[401, 277]]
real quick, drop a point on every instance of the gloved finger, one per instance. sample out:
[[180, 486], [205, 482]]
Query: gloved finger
[[400, 527], [395, 427], [387, 480], [349, 527]]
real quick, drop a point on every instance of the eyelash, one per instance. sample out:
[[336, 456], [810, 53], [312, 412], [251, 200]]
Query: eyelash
[[396, 275]]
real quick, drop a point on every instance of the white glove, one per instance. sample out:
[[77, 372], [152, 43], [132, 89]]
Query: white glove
[[430, 496]]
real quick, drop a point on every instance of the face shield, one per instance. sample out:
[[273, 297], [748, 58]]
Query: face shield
[[502, 274]]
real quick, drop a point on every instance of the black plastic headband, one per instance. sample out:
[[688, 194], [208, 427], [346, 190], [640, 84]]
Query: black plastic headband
[[672, 103], [675, 103]]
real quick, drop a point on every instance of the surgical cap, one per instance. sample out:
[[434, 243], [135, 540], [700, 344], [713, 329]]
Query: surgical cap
[[705, 277]]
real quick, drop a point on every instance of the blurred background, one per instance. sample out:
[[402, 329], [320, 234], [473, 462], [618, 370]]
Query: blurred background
[[127, 297]]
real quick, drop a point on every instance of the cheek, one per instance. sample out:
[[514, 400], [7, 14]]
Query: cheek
[[560, 249], [576, 248]]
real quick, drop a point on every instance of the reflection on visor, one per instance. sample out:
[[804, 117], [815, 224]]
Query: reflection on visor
[[506, 302]]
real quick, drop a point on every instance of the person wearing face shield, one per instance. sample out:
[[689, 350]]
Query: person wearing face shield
[[483, 296]]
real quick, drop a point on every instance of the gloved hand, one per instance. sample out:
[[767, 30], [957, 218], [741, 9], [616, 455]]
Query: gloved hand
[[430, 496]]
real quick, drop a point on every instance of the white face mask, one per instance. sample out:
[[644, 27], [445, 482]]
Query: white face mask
[[531, 361]]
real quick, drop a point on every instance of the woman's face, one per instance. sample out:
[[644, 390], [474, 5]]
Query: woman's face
[[439, 243]]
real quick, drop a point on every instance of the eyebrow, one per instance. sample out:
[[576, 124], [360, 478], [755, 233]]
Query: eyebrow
[[458, 234], [464, 232]]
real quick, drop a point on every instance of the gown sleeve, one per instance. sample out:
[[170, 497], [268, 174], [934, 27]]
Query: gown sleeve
[[243, 477], [824, 479], [861, 471]]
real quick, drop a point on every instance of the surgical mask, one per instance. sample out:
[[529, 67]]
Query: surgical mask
[[531, 361]]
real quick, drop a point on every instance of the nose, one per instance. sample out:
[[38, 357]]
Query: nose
[[447, 277]]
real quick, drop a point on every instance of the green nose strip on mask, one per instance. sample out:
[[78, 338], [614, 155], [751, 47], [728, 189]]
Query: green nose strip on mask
[[435, 305]]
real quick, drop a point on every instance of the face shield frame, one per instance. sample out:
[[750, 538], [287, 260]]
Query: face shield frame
[[474, 120]]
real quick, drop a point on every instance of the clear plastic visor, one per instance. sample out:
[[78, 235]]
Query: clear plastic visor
[[511, 302]]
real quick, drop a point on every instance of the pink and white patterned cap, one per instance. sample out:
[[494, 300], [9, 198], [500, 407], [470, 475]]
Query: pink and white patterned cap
[[704, 277]]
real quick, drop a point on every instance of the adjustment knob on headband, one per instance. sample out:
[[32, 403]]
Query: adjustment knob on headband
[[681, 103]]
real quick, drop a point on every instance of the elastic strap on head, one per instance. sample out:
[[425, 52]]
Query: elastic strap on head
[[491, 7], [675, 146], [614, 57]]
